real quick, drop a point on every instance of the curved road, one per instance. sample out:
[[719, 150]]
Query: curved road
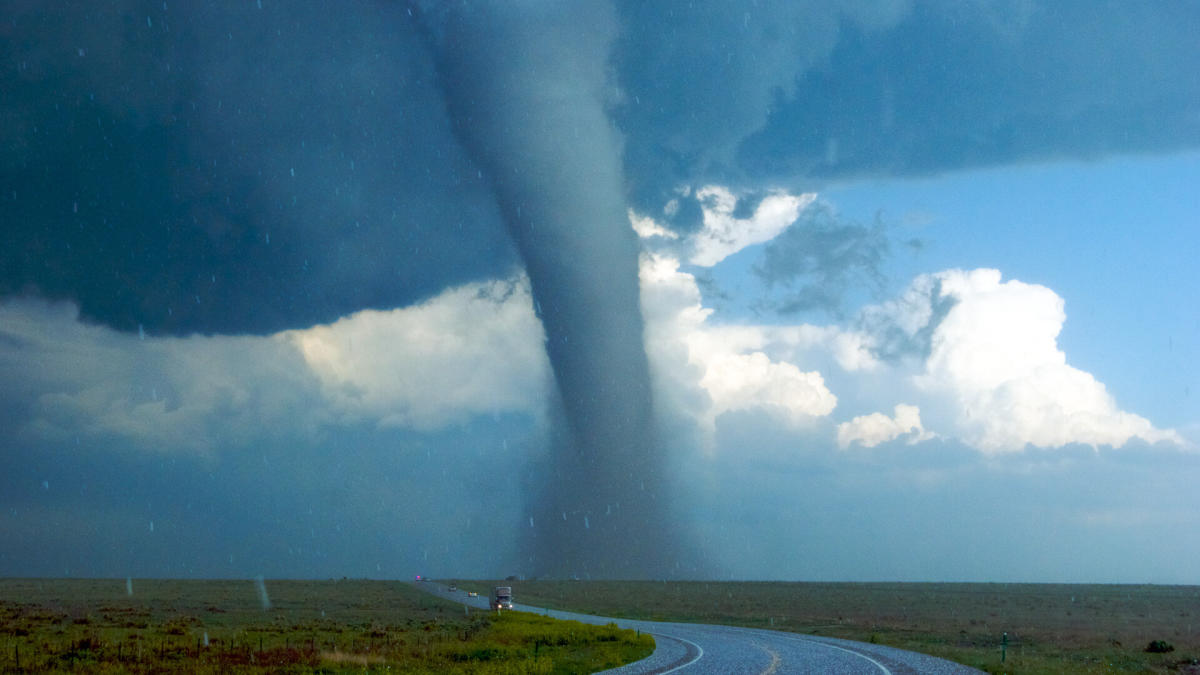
[[703, 649]]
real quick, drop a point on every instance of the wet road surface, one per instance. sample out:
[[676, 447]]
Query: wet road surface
[[704, 649]]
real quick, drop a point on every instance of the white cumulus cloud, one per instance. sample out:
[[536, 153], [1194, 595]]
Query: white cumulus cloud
[[979, 354], [727, 363], [647, 228], [995, 359], [472, 350], [722, 234], [475, 349], [747, 381], [871, 430], [74, 381]]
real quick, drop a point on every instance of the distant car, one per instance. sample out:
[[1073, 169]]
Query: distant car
[[472, 594], [453, 588]]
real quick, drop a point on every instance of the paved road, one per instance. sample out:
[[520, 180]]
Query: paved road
[[702, 649]]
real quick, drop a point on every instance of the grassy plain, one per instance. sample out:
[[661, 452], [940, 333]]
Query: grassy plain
[[1051, 628], [97, 625]]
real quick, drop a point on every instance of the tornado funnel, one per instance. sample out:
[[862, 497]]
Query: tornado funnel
[[525, 85]]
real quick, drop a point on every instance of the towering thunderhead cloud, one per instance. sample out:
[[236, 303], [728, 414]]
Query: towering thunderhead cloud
[[525, 87]]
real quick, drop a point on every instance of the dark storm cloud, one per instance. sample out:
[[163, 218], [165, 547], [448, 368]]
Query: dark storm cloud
[[897, 337], [799, 94], [699, 77], [370, 503], [226, 168], [820, 258], [958, 85]]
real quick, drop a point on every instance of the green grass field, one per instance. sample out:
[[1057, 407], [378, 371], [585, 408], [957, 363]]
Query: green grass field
[[351, 626], [1051, 628], [69, 625]]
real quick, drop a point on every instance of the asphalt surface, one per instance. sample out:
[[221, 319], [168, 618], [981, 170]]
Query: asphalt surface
[[704, 649]]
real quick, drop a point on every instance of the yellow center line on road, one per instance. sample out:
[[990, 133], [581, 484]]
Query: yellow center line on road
[[775, 660]]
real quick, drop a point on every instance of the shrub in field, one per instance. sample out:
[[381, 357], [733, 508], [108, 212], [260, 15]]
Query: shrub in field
[[1159, 647]]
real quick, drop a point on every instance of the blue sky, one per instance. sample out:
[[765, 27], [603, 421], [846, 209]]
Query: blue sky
[[1110, 240], [1115, 238], [878, 291]]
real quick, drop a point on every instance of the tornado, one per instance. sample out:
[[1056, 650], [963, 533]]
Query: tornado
[[526, 85]]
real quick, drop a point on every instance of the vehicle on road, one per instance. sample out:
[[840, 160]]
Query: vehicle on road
[[502, 597], [472, 594], [452, 588]]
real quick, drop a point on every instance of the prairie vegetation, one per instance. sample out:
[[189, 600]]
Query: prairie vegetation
[[1051, 628], [72, 625]]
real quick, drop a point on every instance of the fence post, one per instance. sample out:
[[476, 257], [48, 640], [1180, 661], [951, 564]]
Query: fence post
[[1003, 647]]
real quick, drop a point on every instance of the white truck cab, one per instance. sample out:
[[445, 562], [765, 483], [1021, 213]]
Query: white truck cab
[[502, 597]]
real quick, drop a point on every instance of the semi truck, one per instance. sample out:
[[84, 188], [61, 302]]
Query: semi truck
[[502, 597]]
